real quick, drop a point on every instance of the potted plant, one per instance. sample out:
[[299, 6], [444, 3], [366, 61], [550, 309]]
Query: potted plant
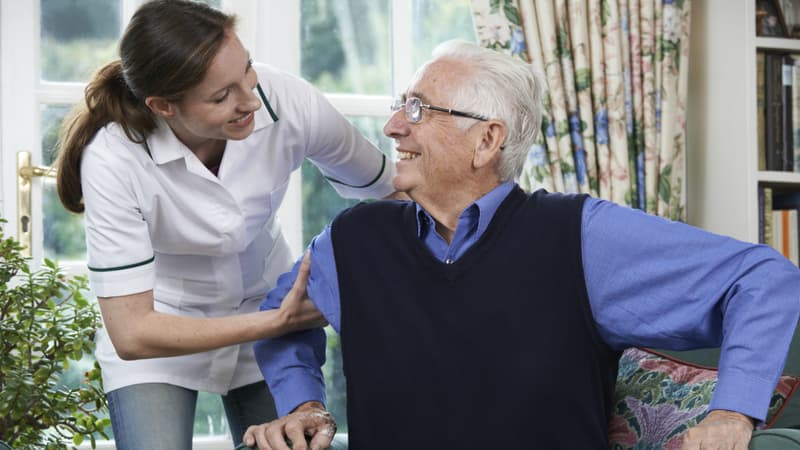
[[46, 324]]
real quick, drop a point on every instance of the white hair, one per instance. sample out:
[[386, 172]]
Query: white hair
[[499, 87]]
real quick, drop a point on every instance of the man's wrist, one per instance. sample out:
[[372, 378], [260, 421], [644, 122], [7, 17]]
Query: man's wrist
[[309, 406], [733, 415]]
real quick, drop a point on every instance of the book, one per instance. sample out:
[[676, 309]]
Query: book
[[787, 123], [773, 117], [762, 157], [767, 217], [788, 201], [795, 112], [784, 236], [761, 237]]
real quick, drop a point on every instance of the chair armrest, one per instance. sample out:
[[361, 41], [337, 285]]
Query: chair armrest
[[776, 439]]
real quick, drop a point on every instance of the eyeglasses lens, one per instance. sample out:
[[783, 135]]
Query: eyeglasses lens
[[413, 110]]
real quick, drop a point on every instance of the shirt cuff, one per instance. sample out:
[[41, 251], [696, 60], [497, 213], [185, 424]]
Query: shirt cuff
[[297, 387], [122, 281], [736, 391]]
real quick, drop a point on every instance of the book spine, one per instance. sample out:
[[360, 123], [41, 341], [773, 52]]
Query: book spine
[[777, 231], [787, 124], [760, 94], [761, 215], [768, 216], [772, 119], [796, 111], [794, 246]]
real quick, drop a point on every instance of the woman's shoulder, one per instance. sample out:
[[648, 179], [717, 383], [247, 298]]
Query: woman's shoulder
[[111, 146], [285, 87]]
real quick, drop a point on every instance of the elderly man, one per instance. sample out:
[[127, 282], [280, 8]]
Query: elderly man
[[479, 316]]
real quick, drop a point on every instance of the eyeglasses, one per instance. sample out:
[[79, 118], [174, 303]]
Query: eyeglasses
[[413, 107]]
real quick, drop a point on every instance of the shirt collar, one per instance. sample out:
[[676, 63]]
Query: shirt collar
[[486, 207], [163, 146]]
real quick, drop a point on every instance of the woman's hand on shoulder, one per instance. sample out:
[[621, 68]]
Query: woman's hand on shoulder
[[297, 311]]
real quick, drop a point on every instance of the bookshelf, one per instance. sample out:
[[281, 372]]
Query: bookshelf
[[722, 152]]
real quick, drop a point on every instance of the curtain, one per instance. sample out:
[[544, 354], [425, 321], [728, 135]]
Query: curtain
[[614, 119]]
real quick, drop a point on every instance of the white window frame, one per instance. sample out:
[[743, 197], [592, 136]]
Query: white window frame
[[270, 29]]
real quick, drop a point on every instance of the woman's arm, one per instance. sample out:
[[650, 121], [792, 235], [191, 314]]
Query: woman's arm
[[137, 330]]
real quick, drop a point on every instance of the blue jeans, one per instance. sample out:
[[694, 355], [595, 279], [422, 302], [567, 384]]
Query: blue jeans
[[161, 416]]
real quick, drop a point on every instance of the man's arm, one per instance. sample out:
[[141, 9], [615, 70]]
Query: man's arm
[[291, 364], [656, 283]]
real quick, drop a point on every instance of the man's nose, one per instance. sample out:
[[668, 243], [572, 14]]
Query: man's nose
[[397, 125]]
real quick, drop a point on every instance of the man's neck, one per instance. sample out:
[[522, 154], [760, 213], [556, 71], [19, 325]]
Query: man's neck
[[445, 209]]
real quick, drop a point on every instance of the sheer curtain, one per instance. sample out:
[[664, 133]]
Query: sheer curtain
[[614, 121]]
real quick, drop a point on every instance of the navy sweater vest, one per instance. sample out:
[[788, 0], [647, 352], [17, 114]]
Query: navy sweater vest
[[498, 350]]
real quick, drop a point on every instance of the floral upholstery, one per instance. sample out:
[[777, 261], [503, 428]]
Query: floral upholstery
[[658, 398]]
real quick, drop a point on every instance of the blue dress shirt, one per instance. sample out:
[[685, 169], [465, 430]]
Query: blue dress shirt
[[651, 282]]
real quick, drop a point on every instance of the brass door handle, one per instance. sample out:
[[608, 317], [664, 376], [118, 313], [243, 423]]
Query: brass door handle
[[25, 174]]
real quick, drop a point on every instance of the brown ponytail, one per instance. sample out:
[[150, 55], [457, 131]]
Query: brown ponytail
[[107, 99], [165, 50]]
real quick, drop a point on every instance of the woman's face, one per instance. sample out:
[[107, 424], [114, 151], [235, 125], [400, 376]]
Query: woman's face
[[220, 107]]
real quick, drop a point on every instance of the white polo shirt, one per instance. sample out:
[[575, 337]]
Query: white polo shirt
[[209, 246]]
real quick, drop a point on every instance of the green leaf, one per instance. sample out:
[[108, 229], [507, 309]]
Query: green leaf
[[512, 14], [583, 79], [562, 128], [494, 6], [77, 439], [664, 184]]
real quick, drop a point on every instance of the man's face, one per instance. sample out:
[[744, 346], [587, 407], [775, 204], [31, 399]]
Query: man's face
[[435, 154]]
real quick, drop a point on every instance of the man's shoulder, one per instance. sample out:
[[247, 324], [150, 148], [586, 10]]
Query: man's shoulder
[[544, 198], [368, 214], [375, 208]]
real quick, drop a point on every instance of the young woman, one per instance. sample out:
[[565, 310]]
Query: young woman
[[179, 159]]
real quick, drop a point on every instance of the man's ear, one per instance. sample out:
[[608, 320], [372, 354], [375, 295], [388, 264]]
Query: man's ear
[[160, 106], [489, 147]]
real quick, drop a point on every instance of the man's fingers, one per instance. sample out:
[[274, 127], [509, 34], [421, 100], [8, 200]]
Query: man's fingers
[[273, 437], [323, 437], [294, 432], [249, 438]]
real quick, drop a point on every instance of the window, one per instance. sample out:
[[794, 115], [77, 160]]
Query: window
[[359, 52]]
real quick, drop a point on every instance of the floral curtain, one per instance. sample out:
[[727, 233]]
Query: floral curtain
[[614, 120]]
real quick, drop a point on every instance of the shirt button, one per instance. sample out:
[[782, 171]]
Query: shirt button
[[448, 261]]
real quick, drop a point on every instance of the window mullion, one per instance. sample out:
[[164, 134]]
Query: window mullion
[[402, 66], [50, 93], [361, 105], [277, 42]]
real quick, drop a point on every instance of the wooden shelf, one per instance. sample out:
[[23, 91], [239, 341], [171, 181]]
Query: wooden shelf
[[770, 43], [767, 176]]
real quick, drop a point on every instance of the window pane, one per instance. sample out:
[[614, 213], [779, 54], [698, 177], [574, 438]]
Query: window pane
[[78, 37], [320, 201], [345, 45], [436, 21], [63, 231], [209, 416]]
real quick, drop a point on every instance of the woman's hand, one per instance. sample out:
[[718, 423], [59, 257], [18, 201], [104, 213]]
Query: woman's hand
[[297, 311]]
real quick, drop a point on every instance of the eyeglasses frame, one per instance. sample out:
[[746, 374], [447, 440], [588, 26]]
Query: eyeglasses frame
[[397, 105]]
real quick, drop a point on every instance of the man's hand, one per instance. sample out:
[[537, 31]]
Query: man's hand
[[310, 419], [723, 430]]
